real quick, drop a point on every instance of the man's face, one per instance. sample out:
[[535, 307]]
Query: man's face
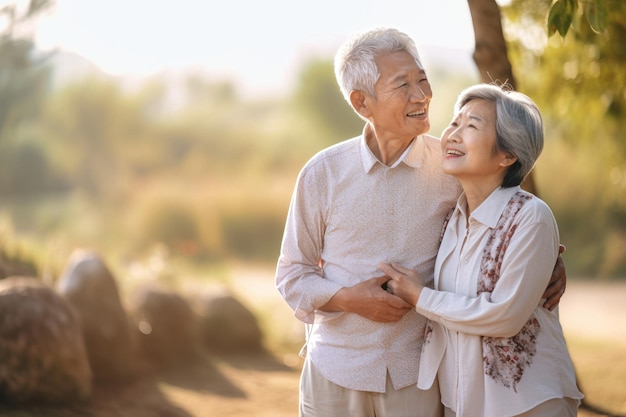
[[403, 94]]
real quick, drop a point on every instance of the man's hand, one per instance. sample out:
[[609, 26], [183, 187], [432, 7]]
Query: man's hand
[[558, 281], [368, 299]]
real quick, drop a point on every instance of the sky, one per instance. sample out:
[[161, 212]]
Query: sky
[[259, 45]]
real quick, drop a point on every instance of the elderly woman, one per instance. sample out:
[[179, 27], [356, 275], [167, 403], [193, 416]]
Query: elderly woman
[[494, 349]]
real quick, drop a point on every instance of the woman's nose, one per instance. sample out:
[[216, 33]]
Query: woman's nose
[[452, 134]]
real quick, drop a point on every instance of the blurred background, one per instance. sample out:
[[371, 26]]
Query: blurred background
[[167, 136], [160, 129]]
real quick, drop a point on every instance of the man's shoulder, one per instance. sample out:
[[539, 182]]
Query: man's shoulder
[[431, 142], [336, 150], [341, 147], [431, 138]]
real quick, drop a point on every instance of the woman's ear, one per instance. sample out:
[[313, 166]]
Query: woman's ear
[[359, 103], [507, 160]]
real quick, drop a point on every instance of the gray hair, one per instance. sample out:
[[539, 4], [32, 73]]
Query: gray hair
[[355, 65], [519, 127]]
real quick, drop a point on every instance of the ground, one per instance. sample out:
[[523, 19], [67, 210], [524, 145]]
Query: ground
[[267, 385]]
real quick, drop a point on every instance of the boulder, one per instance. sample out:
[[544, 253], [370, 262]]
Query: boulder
[[90, 287], [166, 327], [43, 356], [226, 325]]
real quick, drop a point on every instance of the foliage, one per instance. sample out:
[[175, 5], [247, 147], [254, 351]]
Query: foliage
[[17, 256], [254, 231], [583, 61], [139, 173], [171, 223], [23, 74], [99, 134], [564, 13], [319, 97], [579, 83]]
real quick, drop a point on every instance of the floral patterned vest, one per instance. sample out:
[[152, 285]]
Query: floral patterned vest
[[506, 358]]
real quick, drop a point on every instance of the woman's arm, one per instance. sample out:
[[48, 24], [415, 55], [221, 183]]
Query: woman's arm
[[525, 272]]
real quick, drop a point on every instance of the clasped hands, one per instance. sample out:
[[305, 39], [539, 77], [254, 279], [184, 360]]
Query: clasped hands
[[404, 282], [369, 300], [388, 298]]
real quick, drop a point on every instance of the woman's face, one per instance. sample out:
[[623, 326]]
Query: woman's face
[[469, 144]]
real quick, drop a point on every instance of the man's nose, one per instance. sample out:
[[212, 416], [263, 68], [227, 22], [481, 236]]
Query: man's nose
[[418, 94]]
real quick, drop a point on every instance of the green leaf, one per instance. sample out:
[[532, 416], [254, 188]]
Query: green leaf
[[595, 12], [560, 17]]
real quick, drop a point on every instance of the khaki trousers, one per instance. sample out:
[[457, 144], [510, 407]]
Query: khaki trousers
[[321, 398]]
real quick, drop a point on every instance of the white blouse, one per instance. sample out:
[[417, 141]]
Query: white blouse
[[479, 375]]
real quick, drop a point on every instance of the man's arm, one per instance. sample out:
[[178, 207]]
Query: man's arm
[[370, 300], [556, 286]]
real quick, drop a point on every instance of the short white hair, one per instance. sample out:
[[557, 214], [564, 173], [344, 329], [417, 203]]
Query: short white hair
[[355, 65]]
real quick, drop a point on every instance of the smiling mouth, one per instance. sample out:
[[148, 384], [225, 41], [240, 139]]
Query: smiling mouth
[[454, 152], [417, 113]]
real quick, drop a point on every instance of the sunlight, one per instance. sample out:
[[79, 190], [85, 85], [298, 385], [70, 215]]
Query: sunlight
[[261, 44]]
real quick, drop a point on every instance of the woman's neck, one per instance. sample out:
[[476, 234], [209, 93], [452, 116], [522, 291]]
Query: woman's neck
[[477, 191]]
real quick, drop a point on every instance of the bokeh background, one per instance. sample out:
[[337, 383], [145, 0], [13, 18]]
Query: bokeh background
[[178, 128], [168, 135]]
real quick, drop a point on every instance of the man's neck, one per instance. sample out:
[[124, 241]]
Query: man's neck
[[387, 150]]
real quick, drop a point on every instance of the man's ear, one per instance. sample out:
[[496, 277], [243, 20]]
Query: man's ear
[[359, 103]]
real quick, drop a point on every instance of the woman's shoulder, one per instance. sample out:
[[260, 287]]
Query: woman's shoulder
[[533, 199], [534, 206]]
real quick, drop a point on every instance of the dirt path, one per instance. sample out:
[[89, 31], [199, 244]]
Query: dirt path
[[594, 310]]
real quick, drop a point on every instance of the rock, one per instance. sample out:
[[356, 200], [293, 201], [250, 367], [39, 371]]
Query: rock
[[166, 327], [227, 326], [89, 286], [43, 356]]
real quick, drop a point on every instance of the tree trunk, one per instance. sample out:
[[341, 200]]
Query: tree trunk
[[490, 53]]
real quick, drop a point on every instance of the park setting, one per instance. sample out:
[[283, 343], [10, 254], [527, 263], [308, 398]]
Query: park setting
[[149, 152]]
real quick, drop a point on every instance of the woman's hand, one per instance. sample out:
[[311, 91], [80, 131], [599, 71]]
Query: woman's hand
[[404, 282], [368, 300]]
